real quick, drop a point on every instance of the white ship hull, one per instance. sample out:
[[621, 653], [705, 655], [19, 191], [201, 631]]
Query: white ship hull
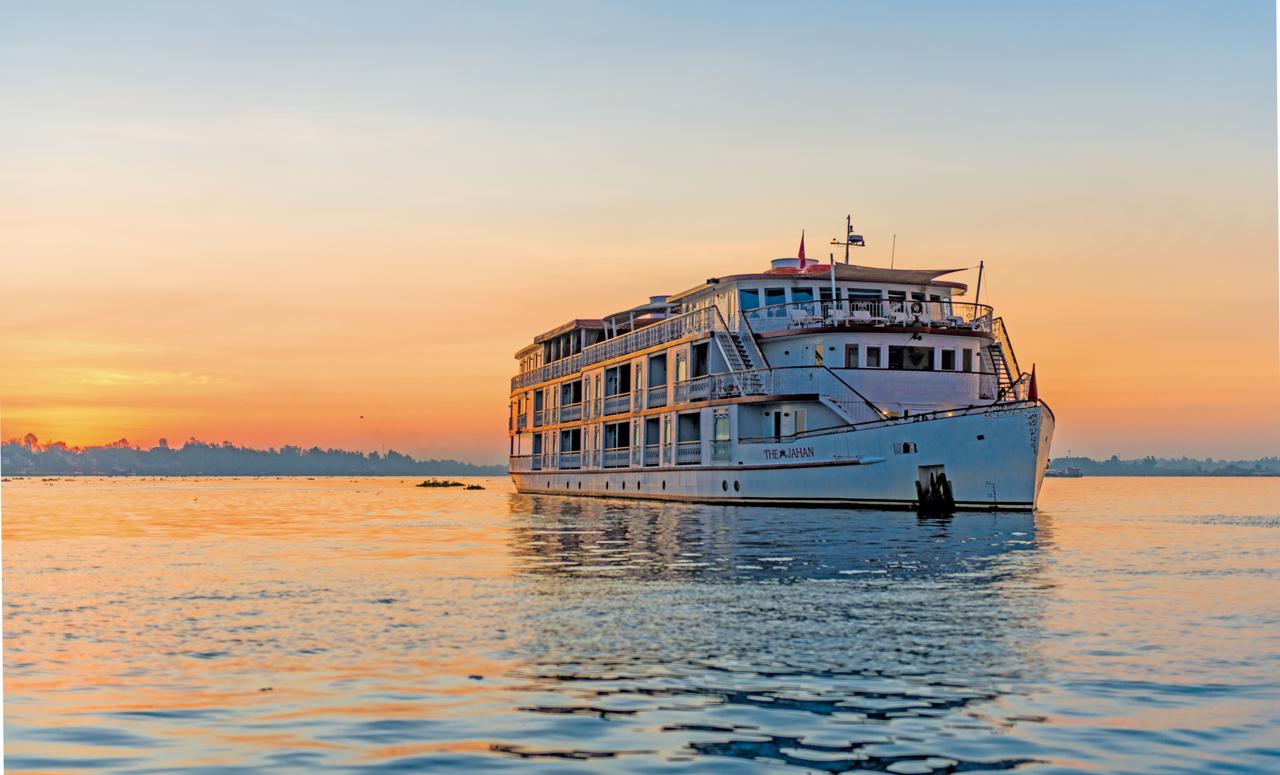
[[994, 459]]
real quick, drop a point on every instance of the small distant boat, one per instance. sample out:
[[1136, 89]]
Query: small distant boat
[[1071, 472]]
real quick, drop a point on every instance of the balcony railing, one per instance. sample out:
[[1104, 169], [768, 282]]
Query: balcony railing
[[619, 457], [617, 404], [522, 422], [696, 389], [570, 412], [688, 453], [787, 380], [652, 454], [538, 416], [869, 312], [570, 460], [657, 396], [698, 321]]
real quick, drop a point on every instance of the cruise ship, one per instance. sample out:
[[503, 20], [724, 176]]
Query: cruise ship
[[804, 383]]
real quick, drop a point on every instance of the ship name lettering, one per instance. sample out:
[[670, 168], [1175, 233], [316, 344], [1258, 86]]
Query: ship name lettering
[[788, 453]]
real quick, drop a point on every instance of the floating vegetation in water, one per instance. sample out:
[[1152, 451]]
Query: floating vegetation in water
[[448, 483]]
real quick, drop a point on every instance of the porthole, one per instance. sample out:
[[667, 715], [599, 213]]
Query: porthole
[[736, 486], [981, 437], [664, 484], [786, 352], [724, 485], [624, 485], [637, 485], [606, 485], [579, 485]]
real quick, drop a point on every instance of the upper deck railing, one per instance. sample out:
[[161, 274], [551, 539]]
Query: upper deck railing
[[698, 321], [869, 312]]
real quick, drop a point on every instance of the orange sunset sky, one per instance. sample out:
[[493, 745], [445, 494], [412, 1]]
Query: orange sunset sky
[[260, 222]]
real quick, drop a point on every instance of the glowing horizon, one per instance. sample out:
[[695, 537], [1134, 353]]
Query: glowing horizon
[[296, 224]]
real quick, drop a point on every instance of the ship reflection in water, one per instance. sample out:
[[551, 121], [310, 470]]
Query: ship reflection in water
[[830, 639], [353, 625]]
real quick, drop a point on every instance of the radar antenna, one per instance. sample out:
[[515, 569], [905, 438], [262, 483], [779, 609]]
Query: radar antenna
[[851, 239]]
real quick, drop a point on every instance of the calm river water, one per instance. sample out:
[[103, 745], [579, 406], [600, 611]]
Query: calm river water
[[250, 625]]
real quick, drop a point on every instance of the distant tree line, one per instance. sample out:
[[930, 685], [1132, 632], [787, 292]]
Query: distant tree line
[[27, 456], [1158, 466]]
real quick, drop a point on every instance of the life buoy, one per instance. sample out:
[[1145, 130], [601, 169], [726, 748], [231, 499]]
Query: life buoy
[[916, 308]]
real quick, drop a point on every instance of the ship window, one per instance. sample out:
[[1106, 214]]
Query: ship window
[[748, 298], [775, 296], [873, 357], [824, 293], [802, 294], [910, 358], [967, 358], [948, 360], [724, 485], [736, 486], [897, 295], [851, 356]]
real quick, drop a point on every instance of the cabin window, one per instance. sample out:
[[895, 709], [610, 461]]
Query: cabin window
[[824, 293], [967, 357], [917, 296], [897, 295], [802, 294], [948, 360], [658, 370], [701, 359], [873, 357], [571, 440], [910, 358], [617, 435], [748, 298], [863, 293], [774, 296], [851, 356]]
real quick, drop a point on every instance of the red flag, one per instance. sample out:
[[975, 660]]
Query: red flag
[[1033, 394], [801, 254]]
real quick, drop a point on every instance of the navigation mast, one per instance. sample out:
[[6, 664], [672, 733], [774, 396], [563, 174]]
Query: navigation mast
[[851, 239]]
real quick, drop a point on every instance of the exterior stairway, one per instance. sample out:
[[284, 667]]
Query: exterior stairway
[[740, 358], [1001, 367]]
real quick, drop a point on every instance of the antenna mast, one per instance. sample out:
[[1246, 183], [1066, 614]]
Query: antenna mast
[[851, 240]]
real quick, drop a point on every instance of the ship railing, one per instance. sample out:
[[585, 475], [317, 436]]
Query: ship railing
[[657, 396], [617, 404], [670, 329], [652, 454], [688, 453], [783, 380], [799, 315], [570, 460], [570, 412], [618, 457], [520, 463]]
